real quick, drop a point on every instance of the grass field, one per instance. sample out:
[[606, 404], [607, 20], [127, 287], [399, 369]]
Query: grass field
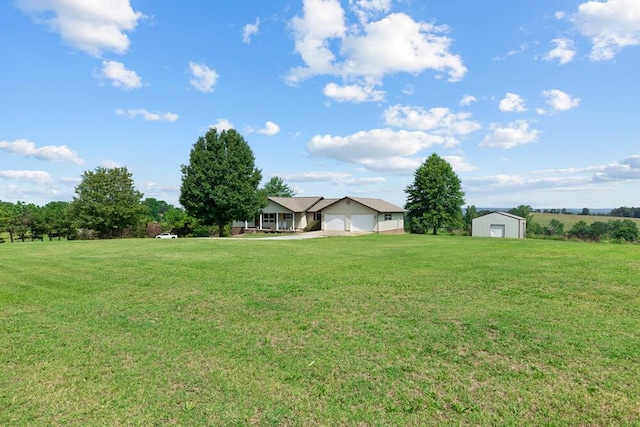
[[370, 330], [569, 220]]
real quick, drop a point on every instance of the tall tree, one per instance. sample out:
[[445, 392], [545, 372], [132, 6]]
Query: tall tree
[[435, 198], [107, 202], [277, 187], [220, 183], [470, 213]]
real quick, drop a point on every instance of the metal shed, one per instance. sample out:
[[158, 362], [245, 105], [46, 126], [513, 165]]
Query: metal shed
[[499, 224]]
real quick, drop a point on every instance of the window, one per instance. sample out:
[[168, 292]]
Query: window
[[269, 217], [317, 216], [388, 216], [288, 216]]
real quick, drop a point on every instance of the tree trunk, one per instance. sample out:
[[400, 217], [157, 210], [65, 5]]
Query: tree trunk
[[435, 231], [221, 229]]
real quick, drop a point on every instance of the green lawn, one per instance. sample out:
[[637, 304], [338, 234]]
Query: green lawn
[[371, 330]]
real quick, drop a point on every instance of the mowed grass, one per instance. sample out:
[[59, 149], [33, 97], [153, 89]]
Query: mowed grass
[[371, 330], [570, 220]]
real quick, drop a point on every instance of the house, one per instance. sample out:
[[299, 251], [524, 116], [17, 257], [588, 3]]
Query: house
[[281, 214], [499, 224], [346, 214], [363, 214]]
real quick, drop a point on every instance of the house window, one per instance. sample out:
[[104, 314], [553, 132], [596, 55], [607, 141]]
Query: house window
[[269, 217], [388, 216], [317, 216], [288, 216]]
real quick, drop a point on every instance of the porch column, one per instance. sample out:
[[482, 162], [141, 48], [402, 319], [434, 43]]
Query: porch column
[[293, 226], [277, 223], [261, 221]]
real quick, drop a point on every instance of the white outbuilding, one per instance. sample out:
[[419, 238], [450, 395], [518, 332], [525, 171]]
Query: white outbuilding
[[499, 224]]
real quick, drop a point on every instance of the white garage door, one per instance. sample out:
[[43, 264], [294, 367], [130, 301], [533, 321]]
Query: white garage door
[[334, 222], [362, 222], [497, 230]]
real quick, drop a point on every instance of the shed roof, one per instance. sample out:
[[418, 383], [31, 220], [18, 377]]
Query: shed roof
[[296, 204], [507, 214]]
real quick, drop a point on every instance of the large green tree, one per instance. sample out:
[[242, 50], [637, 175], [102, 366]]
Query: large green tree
[[435, 198], [277, 187], [56, 219], [220, 183], [107, 202]]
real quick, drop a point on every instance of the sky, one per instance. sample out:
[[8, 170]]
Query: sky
[[531, 102]]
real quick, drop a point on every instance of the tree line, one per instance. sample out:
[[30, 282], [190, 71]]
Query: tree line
[[220, 184]]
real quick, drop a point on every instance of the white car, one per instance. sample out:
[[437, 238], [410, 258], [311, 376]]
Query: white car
[[166, 236]]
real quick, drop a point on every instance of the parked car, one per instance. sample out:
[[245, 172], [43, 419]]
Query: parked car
[[166, 236]]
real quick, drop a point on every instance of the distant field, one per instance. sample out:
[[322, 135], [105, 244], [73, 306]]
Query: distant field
[[371, 330], [570, 220]]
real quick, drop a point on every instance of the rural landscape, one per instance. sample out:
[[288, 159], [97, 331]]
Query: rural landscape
[[420, 328], [319, 213]]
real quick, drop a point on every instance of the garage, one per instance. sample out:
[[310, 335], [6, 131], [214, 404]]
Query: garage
[[497, 230], [362, 223], [334, 222], [499, 224]]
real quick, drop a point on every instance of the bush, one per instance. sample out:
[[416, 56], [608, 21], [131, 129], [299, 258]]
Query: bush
[[313, 226]]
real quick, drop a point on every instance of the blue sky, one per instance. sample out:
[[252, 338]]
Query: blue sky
[[532, 102]]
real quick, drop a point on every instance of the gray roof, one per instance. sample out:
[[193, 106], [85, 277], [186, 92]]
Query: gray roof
[[507, 214], [322, 204], [296, 204], [378, 205]]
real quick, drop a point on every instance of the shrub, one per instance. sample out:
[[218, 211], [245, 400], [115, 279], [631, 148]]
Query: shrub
[[313, 226]]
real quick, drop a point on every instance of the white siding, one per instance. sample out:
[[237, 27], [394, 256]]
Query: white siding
[[497, 224]]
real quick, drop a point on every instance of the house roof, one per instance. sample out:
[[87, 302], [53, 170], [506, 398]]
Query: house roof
[[378, 205], [322, 204], [296, 204]]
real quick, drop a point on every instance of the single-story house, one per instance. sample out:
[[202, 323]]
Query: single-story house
[[346, 214], [499, 224], [362, 214]]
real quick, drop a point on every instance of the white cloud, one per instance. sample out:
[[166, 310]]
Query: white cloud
[[585, 181], [611, 25], [559, 100], [367, 9], [367, 51], [91, 26], [322, 20], [626, 169], [54, 153], [459, 163], [564, 51], [36, 177], [396, 44], [440, 121], [516, 133], [204, 78], [337, 178], [512, 102], [148, 116], [378, 149], [110, 164], [269, 129], [119, 76], [222, 124], [250, 30], [467, 100], [353, 93]]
